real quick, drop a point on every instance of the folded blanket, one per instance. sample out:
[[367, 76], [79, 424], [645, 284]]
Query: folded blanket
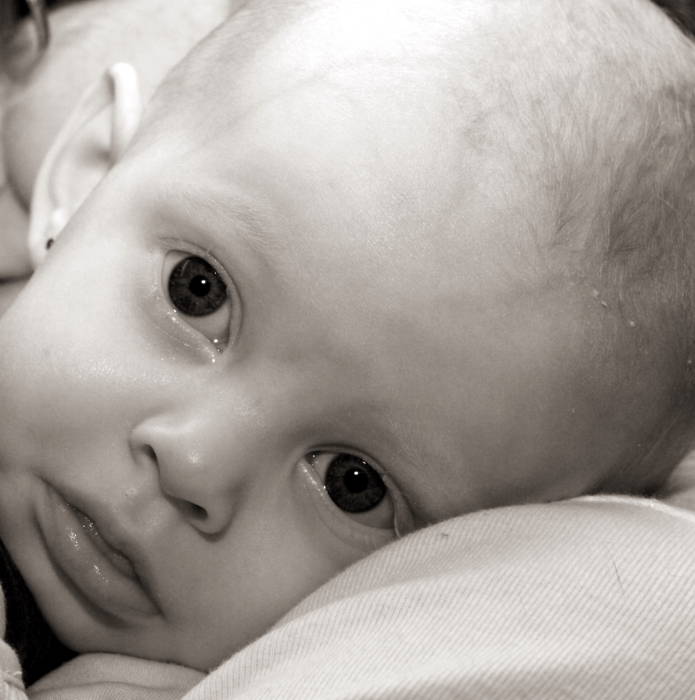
[[590, 598]]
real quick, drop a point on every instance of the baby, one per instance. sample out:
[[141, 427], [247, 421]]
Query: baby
[[366, 266]]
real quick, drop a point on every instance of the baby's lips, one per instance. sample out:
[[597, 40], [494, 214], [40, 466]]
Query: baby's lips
[[119, 560]]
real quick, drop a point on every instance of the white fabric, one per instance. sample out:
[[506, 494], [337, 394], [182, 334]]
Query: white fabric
[[591, 599]]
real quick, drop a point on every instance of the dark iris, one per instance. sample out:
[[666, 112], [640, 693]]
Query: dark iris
[[353, 485], [196, 288]]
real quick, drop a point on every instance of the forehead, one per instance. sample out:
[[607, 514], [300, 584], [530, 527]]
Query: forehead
[[416, 109], [367, 106], [376, 179]]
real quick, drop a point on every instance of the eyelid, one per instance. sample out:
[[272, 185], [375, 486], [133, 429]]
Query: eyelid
[[403, 520], [355, 533]]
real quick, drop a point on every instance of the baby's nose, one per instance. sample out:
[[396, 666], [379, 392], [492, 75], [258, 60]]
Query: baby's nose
[[203, 465]]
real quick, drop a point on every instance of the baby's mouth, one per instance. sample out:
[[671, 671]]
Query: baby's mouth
[[94, 570], [119, 560]]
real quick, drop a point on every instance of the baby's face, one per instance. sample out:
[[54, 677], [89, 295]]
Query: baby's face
[[277, 336]]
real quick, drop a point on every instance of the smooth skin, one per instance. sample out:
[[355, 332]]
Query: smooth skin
[[387, 299]]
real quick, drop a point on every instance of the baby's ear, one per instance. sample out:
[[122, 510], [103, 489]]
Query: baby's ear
[[92, 139]]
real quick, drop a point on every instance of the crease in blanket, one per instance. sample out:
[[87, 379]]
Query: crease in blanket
[[27, 632]]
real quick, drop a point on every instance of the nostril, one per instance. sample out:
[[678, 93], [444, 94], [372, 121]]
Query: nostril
[[197, 512], [190, 509], [150, 453], [192, 512]]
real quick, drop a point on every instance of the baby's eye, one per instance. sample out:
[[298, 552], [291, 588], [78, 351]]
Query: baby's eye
[[355, 487], [197, 290]]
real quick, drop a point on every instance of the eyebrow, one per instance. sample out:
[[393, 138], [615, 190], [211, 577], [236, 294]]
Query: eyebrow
[[230, 211]]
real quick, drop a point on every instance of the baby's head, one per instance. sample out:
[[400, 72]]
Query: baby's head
[[367, 265]]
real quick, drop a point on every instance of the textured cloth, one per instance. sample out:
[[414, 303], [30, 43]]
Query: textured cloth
[[591, 599]]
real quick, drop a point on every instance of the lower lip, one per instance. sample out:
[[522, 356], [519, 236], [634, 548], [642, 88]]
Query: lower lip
[[95, 570]]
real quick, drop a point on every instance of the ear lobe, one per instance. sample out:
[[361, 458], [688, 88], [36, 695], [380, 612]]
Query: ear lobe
[[92, 139]]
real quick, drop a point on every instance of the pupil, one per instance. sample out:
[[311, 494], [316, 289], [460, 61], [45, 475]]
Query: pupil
[[352, 484], [356, 480], [199, 286], [195, 287]]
